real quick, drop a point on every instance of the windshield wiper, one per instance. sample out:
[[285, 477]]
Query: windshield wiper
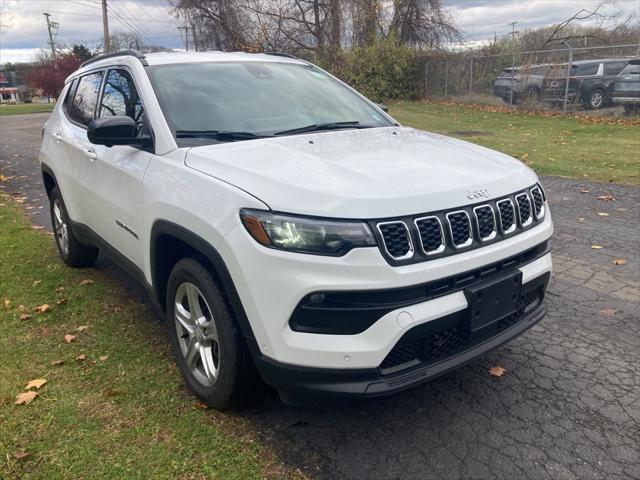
[[218, 135], [316, 127]]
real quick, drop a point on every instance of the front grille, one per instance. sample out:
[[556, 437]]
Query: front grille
[[486, 222], [396, 238], [412, 239], [538, 201], [431, 235], [507, 216], [524, 209], [460, 228], [438, 344]]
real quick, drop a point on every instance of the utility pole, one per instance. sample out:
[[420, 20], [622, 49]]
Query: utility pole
[[513, 61], [105, 27], [51, 26], [186, 36]]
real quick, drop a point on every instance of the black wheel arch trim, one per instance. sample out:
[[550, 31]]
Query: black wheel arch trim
[[46, 169], [165, 227]]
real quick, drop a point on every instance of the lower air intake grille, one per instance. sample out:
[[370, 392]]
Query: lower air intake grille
[[460, 228], [396, 239]]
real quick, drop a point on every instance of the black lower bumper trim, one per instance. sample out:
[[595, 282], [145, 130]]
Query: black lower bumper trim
[[371, 382]]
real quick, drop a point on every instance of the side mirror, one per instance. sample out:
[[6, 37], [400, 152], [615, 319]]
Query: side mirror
[[382, 107], [119, 130]]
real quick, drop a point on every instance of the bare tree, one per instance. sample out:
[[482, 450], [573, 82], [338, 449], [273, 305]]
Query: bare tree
[[422, 23]]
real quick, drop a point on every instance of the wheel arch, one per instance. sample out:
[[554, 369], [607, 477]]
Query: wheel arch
[[48, 179], [169, 243]]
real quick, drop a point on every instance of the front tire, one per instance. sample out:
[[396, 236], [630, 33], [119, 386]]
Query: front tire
[[207, 343], [595, 100], [72, 252]]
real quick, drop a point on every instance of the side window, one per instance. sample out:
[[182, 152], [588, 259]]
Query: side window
[[69, 97], [84, 101], [614, 68], [586, 69], [120, 97]]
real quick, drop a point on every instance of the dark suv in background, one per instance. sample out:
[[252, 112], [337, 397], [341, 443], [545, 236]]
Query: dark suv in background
[[590, 82], [626, 88], [526, 82]]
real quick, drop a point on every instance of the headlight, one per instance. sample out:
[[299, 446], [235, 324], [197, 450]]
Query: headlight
[[306, 235]]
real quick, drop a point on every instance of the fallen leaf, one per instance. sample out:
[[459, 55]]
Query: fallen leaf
[[103, 357], [584, 190], [3, 178], [596, 247], [69, 338], [603, 214], [57, 363], [82, 328], [81, 357], [37, 282], [60, 289], [621, 209], [606, 198], [497, 371], [62, 301], [25, 316], [37, 227], [20, 454], [619, 261], [6, 303], [607, 312], [86, 281], [580, 219], [42, 308], [25, 398], [38, 382], [21, 308], [201, 406]]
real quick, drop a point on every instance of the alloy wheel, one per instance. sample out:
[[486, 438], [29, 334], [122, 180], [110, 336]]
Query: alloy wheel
[[597, 99], [197, 334], [60, 227]]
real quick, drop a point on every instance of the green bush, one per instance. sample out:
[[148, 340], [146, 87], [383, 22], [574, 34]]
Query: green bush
[[385, 70]]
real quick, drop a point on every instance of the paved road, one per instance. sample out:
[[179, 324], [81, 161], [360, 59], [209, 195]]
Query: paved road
[[567, 408]]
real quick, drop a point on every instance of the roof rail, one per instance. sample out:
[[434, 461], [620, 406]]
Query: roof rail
[[282, 54], [133, 53]]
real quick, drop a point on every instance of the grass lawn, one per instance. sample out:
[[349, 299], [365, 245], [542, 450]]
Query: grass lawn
[[122, 411], [26, 108], [551, 146]]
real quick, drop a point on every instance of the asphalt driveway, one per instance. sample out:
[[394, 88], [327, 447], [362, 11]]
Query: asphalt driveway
[[568, 406]]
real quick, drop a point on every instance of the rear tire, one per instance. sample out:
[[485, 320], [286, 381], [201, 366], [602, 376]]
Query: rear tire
[[209, 348], [72, 252]]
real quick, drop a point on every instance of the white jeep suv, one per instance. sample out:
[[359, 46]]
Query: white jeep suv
[[288, 226]]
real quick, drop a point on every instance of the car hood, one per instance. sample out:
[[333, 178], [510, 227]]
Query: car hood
[[368, 173]]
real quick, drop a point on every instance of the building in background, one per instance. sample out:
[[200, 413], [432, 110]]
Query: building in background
[[13, 88]]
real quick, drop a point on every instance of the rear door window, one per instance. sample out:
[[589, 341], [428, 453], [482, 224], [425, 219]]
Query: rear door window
[[585, 69], [614, 68], [83, 106]]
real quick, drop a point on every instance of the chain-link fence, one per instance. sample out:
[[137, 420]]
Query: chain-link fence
[[561, 78]]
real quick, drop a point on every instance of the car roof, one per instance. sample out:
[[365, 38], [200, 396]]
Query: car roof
[[600, 60], [130, 57]]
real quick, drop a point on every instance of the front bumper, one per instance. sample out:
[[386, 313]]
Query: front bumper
[[271, 284], [432, 357]]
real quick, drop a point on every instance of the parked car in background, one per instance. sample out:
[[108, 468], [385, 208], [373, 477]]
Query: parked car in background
[[590, 82], [526, 82], [626, 88]]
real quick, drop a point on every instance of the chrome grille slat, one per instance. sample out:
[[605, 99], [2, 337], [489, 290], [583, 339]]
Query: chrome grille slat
[[460, 228], [431, 234], [524, 209], [397, 239], [486, 221]]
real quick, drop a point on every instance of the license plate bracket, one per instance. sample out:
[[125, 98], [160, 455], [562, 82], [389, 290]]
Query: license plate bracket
[[493, 300]]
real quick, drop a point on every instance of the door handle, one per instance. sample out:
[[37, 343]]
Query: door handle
[[90, 154], [57, 136]]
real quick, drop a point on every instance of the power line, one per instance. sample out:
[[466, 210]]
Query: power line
[[131, 27]]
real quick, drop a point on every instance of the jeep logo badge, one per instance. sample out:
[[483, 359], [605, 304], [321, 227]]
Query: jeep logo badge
[[477, 193]]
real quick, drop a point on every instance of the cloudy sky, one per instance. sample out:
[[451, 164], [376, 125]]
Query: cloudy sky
[[81, 20]]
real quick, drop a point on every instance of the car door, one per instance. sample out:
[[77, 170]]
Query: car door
[[74, 164], [118, 170]]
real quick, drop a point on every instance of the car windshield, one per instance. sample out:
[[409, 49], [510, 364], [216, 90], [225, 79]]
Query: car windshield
[[230, 101]]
